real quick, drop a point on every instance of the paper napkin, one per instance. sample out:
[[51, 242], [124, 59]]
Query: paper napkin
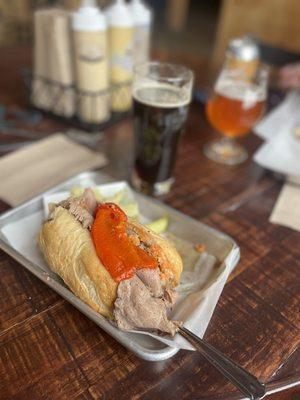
[[36, 168], [286, 211], [281, 151]]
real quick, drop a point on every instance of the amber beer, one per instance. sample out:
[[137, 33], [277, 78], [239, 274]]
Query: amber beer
[[233, 110]]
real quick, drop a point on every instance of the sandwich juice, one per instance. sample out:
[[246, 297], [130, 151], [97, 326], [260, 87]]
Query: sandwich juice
[[120, 34], [91, 63]]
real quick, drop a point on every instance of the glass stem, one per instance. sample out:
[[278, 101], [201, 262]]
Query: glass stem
[[228, 141]]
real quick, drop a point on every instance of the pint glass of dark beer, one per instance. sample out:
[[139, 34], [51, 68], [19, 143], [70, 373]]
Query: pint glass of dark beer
[[161, 96]]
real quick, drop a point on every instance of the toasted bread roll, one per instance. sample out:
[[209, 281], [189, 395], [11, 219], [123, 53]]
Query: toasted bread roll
[[69, 251]]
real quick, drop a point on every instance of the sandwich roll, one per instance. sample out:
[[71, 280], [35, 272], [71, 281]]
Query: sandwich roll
[[69, 251], [117, 266]]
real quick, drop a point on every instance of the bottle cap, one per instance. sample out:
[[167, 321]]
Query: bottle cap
[[141, 14], [89, 17], [119, 15], [244, 49]]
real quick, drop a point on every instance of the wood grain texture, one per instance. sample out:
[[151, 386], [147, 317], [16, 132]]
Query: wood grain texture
[[240, 17], [48, 350]]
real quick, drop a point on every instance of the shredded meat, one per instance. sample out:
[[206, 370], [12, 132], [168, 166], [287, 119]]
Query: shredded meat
[[82, 207], [90, 201], [169, 297], [81, 214], [150, 278], [140, 304]]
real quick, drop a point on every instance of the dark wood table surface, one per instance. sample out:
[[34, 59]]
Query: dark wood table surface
[[49, 350]]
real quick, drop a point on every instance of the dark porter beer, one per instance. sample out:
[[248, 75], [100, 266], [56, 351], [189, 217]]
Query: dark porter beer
[[159, 117]]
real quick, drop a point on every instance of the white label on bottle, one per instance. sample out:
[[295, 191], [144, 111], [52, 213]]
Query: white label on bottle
[[91, 52]]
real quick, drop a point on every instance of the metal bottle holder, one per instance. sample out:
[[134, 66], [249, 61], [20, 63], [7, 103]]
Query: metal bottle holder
[[63, 101]]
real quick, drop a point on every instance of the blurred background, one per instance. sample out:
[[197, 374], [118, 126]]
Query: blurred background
[[197, 29]]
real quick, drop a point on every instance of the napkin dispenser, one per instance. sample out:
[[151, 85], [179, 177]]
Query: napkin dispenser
[[53, 78]]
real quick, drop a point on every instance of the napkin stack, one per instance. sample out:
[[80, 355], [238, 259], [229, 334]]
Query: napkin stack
[[281, 153], [53, 62], [280, 129], [287, 208]]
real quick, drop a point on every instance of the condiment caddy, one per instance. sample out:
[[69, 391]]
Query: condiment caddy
[[85, 75]]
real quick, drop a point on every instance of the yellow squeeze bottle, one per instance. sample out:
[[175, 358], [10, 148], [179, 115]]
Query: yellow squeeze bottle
[[91, 63], [120, 38]]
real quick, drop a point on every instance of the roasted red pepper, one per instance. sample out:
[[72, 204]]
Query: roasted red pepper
[[114, 248]]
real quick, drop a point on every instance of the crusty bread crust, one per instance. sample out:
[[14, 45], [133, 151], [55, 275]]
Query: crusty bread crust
[[170, 262], [69, 250]]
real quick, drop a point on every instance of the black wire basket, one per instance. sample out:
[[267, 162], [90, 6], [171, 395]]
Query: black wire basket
[[64, 102]]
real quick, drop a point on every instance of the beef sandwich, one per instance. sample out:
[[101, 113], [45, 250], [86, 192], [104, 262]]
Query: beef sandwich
[[117, 266]]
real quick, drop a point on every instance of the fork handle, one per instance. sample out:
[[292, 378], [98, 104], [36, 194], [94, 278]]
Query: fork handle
[[248, 384]]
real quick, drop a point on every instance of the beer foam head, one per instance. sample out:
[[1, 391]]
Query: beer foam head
[[161, 95], [240, 91]]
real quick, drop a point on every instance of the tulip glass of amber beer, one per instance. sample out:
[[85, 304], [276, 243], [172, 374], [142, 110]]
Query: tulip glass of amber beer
[[161, 96], [236, 105]]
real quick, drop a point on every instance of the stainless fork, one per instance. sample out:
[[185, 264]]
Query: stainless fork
[[248, 384]]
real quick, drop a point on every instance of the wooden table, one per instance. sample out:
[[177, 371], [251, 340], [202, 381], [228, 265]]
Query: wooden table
[[48, 350]]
